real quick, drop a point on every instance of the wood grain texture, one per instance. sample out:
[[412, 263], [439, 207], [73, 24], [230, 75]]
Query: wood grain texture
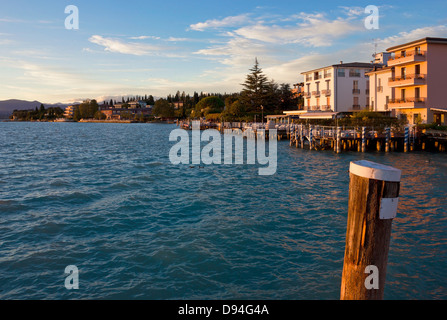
[[367, 237]]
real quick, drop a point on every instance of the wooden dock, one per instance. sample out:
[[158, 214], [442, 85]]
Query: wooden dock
[[365, 139], [339, 139]]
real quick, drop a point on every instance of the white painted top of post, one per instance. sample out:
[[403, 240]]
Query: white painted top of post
[[376, 171]]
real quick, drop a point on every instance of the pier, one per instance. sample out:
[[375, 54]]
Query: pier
[[338, 138]]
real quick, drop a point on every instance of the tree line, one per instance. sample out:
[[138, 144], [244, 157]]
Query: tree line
[[39, 113]]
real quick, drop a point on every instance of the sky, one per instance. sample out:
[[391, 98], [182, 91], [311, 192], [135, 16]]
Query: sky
[[148, 47]]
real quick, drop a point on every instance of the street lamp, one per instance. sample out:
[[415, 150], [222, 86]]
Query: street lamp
[[262, 108]]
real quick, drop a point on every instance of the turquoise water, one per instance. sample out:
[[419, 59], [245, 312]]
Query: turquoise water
[[106, 198]]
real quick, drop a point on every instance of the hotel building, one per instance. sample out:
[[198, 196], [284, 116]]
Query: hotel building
[[412, 84], [342, 87]]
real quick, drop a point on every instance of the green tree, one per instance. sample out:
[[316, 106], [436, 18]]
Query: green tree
[[208, 105], [150, 100], [255, 89], [99, 115], [235, 111], [163, 108]]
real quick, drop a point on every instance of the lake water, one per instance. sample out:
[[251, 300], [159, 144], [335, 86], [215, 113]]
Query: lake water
[[106, 198]]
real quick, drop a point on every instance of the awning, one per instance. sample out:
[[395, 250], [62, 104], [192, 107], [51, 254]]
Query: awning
[[318, 115], [438, 110]]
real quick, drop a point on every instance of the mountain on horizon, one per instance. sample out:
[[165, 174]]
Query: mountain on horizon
[[8, 106]]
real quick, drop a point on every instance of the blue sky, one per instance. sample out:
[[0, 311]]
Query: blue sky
[[159, 47]]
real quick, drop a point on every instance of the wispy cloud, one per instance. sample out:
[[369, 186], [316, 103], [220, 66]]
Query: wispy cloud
[[145, 37], [311, 30], [131, 48], [415, 34], [231, 21]]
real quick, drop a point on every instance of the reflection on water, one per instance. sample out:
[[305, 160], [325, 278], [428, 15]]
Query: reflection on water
[[106, 198]]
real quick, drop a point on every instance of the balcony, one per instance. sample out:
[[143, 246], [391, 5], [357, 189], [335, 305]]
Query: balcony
[[326, 92], [354, 74], [316, 93], [356, 91], [355, 107], [407, 80], [407, 103], [308, 78], [407, 57], [326, 108], [327, 75], [315, 108], [306, 95]]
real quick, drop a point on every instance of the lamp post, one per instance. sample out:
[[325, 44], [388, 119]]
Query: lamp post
[[262, 108]]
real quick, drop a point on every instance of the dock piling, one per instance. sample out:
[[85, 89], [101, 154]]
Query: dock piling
[[373, 197], [363, 139], [406, 139]]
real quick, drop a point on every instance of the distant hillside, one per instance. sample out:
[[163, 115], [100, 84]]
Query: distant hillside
[[8, 106]]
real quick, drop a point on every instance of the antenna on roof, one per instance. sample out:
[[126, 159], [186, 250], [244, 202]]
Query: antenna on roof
[[375, 47]]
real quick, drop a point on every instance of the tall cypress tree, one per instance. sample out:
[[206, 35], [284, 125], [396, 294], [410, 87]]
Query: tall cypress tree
[[255, 89]]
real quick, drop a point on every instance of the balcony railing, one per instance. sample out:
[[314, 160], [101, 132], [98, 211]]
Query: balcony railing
[[327, 75], [308, 78], [407, 54], [407, 77], [355, 91], [326, 107], [355, 107], [326, 92], [407, 100], [316, 93], [354, 74], [306, 94]]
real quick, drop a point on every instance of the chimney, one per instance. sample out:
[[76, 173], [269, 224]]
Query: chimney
[[341, 62]]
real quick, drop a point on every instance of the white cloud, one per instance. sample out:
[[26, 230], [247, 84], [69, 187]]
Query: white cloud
[[119, 46], [231, 21], [174, 39], [145, 37], [312, 30], [419, 33]]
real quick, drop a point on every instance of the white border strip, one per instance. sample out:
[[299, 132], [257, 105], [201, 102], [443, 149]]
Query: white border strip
[[377, 171]]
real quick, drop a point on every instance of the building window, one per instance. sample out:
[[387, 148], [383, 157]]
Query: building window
[[417, 93], [356, 105], [417, 69], [402, 94], [355, 88], [341, 72], [417, 118], [403, 73], [354, 72]]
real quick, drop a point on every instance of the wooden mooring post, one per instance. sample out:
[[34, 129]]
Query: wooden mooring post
[[373, 198]]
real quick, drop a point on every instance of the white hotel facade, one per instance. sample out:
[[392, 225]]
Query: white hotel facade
[[338, 88], [341, 87]]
